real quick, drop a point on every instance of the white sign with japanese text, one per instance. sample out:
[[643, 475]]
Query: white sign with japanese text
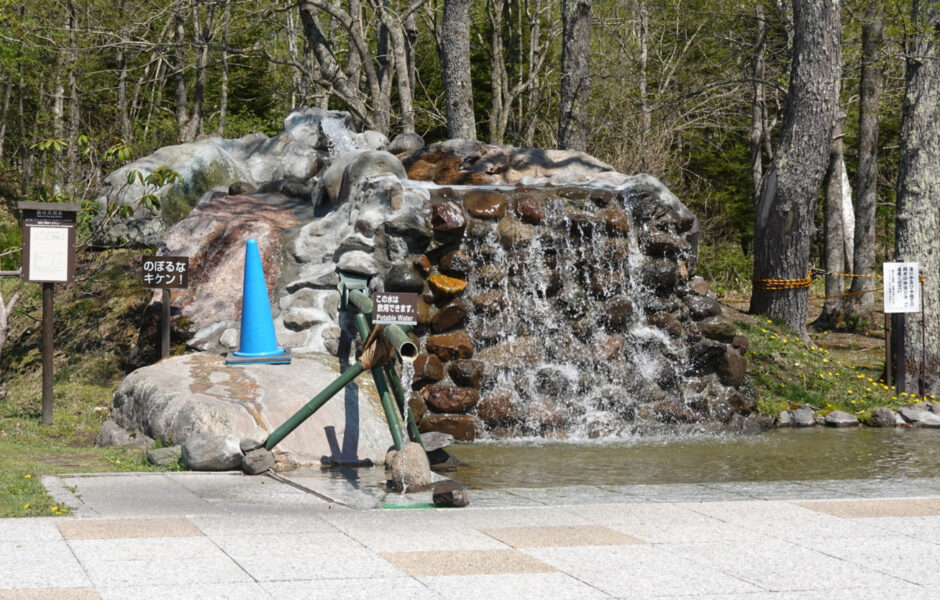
[[395, 308], [170, 272], [902, 287], [48, 254]]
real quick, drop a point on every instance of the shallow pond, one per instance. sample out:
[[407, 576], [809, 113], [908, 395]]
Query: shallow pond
[[779, 455]]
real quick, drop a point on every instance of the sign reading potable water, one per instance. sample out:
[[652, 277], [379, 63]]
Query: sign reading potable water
[[902, 287], [395, 308], [168, 272]]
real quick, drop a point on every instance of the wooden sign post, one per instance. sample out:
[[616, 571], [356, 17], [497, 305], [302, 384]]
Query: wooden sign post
[[48, 258], [166, 273]]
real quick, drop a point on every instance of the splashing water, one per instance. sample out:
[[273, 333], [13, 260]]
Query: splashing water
[[338, 136]]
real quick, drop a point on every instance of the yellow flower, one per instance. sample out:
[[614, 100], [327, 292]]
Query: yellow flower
[[28, 476], [868, 389], [26, 506], [894, 397], [860, 376], [825, 360], [853, 401], [769, 321], [903, 393], [784, 340], [822, 376], [54, 508], [830, 373], [851, 392], [763, 331]]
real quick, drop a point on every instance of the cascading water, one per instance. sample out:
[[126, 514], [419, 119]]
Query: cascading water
[[580, 312]]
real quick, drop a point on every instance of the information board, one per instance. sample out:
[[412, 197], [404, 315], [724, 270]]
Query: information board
[[167, 272], [48, 241], [395, 308], [902, 287]]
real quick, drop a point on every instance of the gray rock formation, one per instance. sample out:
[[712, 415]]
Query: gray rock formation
[[408, 469], [211, 452], [185, 396]]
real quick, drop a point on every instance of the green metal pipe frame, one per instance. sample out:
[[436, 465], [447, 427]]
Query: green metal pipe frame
[[391, 416], [311, 407]]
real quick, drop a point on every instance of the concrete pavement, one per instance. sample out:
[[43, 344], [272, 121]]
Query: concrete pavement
[[319, 534]]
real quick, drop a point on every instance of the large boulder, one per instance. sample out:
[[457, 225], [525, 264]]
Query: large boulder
[[184, 396]]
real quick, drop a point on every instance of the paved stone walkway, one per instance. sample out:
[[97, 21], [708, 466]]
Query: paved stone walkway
[[325, 535]]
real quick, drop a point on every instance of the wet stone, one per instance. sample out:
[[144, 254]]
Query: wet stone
[[667, 322], [485, 204], [428, 367], [803, 417], [718, 329], [451, 346], [659, 275], [423, 264], [464, 428], [658, 244], [449, 494], [403, 277], [529, 210], [513, 234], [702, 307], [450, 315], [408, 469], [466, 373], [497, 408], [448, 399], [258, 461], [883, 417], [447, 218], [616, 221], [490, 275], [490, 302], [456, 264], [618, 312], [838, 418], [444, 286]]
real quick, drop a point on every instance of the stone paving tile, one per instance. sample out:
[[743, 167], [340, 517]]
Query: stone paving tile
[[196, 591], [875, 488], [638, 571], [556, 586], [907, 559], [568, 495], [396, 588], [572, 535], [40, 564], [922, 528], [423, 537], [465, 562], [88, 551], [159, 527], [679, 492], [137, 495], [501, 499], [659, 522], [249, 522], [782, 519], [303, 557], [165, 571], [51, 594], [775, 490], [778, 565], [898, 507], [33, 529]]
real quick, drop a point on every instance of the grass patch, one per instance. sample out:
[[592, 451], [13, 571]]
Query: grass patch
[[833, 372], [97, 322]]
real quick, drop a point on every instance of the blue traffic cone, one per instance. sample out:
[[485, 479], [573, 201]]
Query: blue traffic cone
[[257, 342]]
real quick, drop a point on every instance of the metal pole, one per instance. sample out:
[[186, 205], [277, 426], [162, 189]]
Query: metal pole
[[48, 328], [900, 351], [922, 384], [888, 334], [165, 325], [399, 392], [391, 417], [311, 407]]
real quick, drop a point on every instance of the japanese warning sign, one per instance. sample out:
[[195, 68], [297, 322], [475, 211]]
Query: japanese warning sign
[[395, 308], [902, 287], [167, 272]]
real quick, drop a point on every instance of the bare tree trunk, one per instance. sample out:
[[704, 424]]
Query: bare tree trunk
[[455, 64], [5, 311], [645, 112], [498, 78], [223, 91], [179, 60], [832, 315], [862, 301], [758, 108], [72, 175], [4, 111], [918, 219], [575, 74], [784, 222]]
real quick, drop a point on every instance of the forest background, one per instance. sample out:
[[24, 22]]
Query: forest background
[[691, 91]]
